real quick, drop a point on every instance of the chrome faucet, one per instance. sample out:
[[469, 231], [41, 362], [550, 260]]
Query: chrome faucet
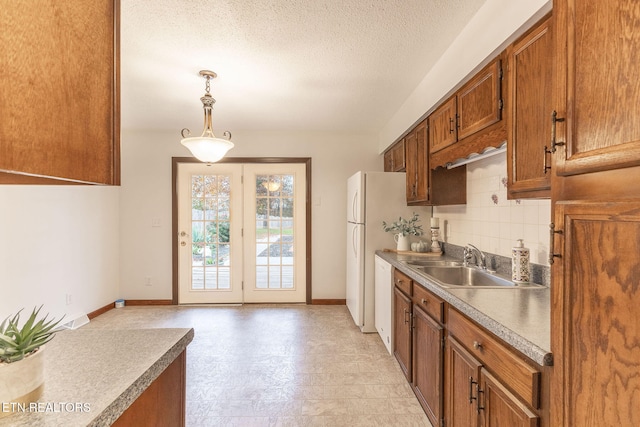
[[471, 251]]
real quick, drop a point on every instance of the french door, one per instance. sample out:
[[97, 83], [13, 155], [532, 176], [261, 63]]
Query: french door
[[241, 233]]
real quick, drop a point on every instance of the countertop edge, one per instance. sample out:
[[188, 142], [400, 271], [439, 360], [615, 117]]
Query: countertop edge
[[112, 412], [539, 355]]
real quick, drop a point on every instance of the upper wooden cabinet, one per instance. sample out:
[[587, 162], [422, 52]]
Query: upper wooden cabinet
[[394, 157], [530, 76], [597, 90], [442, 126], [479, 102], [596, 204], [60, 95], [417, 165], [471, 120]]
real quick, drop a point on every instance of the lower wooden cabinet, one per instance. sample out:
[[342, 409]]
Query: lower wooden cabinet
[[487, 384], [427, 361], [418, 343], [162, 404], [402, 331], [500, 407], [462, 375]]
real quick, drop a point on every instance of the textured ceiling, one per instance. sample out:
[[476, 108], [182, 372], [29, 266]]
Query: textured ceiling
[[315, 65]]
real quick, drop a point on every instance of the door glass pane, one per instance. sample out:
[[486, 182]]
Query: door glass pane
[[210, 219], [274, 232]]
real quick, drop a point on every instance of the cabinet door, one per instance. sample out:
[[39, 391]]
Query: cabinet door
[[478, 101], [388, 161], [60, 94], [411, 151], [421, 164], [442, 126], [530, 69], [595, 300], [427, 362], [499, 407], [462, 376], [402, 331], [397, 153], [597, 57]]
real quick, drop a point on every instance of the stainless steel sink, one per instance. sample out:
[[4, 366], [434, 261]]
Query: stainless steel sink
[[461, 276], [435, 263]]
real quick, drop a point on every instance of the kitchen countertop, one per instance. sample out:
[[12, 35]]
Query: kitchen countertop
[[520, 317], [92, 376]]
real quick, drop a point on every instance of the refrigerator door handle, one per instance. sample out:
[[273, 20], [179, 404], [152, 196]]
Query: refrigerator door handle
[[354, 245], [353, 207]]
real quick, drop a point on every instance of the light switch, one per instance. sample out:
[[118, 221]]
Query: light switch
[[155, 222]]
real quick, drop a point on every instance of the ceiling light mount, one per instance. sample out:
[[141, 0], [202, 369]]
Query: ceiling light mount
[[207, 147]]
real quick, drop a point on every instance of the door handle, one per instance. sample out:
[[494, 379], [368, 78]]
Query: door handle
[[353, 206], [353, 242], [554, 120]]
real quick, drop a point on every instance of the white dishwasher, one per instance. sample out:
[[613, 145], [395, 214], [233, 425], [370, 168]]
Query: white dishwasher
[[383, 301]]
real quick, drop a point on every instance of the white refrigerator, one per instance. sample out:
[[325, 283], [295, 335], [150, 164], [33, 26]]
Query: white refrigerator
[[372, 197]]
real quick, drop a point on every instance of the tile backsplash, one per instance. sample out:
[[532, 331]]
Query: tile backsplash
[[490, 221]]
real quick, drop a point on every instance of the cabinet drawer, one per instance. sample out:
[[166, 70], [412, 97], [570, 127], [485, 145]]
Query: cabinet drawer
[[497, 358], [430, 303], [403, 282]]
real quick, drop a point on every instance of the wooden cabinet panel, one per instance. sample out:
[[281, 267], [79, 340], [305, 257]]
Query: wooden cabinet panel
[[388, 161], [430, 303], [403, 282], [596, 295], [422, 164], [442, 126], [60, 112], [394, 158], [597, 90], [521, 377], [411, 151], [501, 407], [462, 374], [417, 166], [402, 331], [530, 66], [162, 404], [478, 101], [427, 364]]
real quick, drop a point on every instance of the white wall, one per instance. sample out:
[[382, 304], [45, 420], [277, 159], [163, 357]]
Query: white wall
[[146, 194], [58, 240], [490, 221], [497, 23]]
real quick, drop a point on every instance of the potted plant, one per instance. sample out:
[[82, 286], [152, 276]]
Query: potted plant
[[404, 228], [22, 357]]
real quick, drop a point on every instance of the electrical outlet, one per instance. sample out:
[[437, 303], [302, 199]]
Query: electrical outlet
[[68, 299], [147, 281]]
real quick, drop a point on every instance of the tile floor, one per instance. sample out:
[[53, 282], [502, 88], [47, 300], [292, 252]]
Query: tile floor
[[281, 365]]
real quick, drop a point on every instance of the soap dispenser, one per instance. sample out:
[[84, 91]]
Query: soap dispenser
[[520, 263]]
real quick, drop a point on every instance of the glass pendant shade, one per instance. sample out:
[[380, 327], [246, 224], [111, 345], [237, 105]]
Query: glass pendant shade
[[207, 147]]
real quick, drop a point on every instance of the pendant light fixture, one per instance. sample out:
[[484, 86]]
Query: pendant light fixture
[[207, 147]]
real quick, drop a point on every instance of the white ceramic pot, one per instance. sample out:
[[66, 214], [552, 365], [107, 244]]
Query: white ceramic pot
[[22, 381], [402, 241]]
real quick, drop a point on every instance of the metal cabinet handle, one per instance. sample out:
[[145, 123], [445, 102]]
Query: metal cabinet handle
[[545, 167], [424, 300], [477, 345], [471, 383], [478, 392], [405, 316], [451, 121], [552, 232], [555, 119]]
